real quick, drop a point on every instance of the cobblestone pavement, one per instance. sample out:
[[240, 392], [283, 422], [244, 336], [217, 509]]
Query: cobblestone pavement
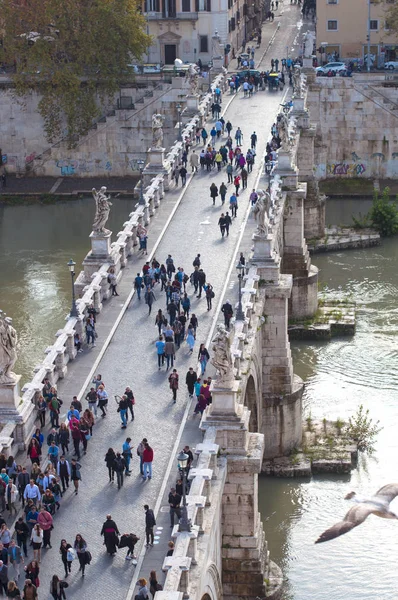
[[130, 359]]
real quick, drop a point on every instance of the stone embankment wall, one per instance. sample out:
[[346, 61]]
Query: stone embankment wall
[[357, 127], [110, 149]]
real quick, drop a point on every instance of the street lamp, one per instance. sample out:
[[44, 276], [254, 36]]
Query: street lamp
[[210, 67], [73, 311], [239, 313], [140, 164], [178, 107], [268, 171], [182, 462]]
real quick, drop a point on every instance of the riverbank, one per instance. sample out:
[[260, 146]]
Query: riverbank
[[48, 190], [349, 187]]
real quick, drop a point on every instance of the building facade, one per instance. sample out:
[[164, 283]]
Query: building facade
[[184, 28], [343, 27]]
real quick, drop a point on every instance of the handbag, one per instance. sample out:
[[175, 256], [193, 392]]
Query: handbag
[[88, 436], [70, 555]]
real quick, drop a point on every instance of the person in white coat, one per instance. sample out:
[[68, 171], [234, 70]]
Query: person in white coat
[[11, 496]]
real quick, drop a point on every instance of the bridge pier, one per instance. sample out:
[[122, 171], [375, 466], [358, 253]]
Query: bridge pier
[[247, 571], [296, 260]]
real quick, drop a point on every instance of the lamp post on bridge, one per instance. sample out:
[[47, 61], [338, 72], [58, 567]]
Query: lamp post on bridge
[[179, 107], [140, 164], [73, 311], [239, 313], [182, 462], [268, 171]]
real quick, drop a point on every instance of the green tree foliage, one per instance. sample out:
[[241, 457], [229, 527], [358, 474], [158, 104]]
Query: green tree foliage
[[384, 214], [362, 430], [73, 52]]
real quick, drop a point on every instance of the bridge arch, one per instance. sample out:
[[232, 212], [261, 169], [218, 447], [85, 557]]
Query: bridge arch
[[211, 584], [251, 394]]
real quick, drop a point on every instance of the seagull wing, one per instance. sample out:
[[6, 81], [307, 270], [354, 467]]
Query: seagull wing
[[355, 516], [388, 492]]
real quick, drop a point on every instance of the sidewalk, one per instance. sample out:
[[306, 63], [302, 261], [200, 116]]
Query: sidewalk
[[127, 357]]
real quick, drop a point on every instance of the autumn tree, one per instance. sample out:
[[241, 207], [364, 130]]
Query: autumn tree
[[73, 52], [392, 19]]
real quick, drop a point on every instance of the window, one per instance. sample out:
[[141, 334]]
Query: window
[[373, 25], [203, 5], [332, 25], [152, 6], [332, 1], [186, 5], [203, 43], [233, 24]]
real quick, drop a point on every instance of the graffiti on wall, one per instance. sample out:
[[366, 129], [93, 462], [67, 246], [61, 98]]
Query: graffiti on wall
[[70, 166], [347, 169]]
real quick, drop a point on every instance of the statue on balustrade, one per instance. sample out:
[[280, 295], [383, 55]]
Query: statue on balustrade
[[8, 349], [222, 359], [102, 210], [283, 132], [260, 212], [157, 130], [296, 76], [193, 79]]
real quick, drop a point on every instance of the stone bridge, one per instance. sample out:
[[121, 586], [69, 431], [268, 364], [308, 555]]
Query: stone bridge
[[258, 413]]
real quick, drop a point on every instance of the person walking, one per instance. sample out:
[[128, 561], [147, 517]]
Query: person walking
[[222, 224], [160, 346], [127, 454], [112, 280], [253, 139], [13, 590], [243, 174], [3, 577], [228, 313], [183, 175], [122, 410], [190, 339], [45, 521], [119, 466], [190, 380], [11, 495], [80, 547], [149, 298], [150, 523], [201, 281], [15, 557], [110, 463], [110, 532], [174, 503], [173, 381], [194, 161], [57, 588], [223, 191], [22, 533], [169, 351], [67, 556], [32, 571], [75, 474], [63, 471], [230, 173], [238, 136], [233, 204], [213, 192], [147, 460], [203, 357], [102, 396], [209, 295], [237, 184], [37, 541], [228, 222], [29, 591]]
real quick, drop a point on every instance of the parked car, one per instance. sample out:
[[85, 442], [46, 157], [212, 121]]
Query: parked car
[[336, 67], [391, 64]]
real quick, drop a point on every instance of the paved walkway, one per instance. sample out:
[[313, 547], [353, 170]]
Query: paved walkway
[[130, 359]]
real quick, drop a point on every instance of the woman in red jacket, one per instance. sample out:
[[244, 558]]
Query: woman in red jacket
[[147, 459]]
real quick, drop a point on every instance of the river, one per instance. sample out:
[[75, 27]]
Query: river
[[36, 242], [340, 375]]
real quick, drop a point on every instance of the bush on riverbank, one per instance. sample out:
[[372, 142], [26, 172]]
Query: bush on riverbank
[[383, 216]]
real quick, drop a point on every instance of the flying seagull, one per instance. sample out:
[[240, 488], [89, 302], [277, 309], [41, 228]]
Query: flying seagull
[[378, 505]]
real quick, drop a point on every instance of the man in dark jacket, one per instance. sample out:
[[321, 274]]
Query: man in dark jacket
[[119, 467], [190, 380], [174, 503], [201, 281], [228, 312], [22, 531], [110, 532], [150, 523]]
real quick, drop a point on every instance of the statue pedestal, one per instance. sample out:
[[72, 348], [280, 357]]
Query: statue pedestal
[[9, 396], [286, 170], [223, 399], [262, 246], [298, 105], [100, 244], [218, 64], [307, 63], [155, 158], [193, 103]]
